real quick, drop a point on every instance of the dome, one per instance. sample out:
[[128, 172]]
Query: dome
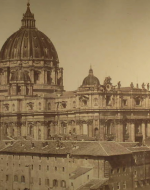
[[28, 43], [91, 79], [20, 75]]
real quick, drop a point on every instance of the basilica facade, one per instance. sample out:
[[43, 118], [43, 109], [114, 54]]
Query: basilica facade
[[34, 104], [96, 137]]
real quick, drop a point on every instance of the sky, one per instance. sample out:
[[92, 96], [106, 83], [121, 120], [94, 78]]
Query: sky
[[113, 36]]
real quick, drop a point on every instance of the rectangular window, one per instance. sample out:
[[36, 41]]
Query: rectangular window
[[63, 169], [118, 185], [108, 100], [47, 182], [118, 170], [55, 168], [47, 168], [39, 181], [32, 166], [7, 177], [39, 167], [124, 169], [124, 185], [124, 102]]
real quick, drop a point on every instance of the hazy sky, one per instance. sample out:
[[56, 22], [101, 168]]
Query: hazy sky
[[111, 35]]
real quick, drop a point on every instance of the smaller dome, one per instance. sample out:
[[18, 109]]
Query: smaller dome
[[91, 79], [20, 75]]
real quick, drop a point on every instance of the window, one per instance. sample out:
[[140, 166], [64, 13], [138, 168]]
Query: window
[[15, 178], [46, 181], [32, 166], [39, 167], [124, 102], [49, 106], [71, 184], [55, 168], [63, 183], [47, 168], [118, 185], [135, 173], [95, 102], [63, 169], [55, 183], [108, 101], [22, 179], [39, 181], [118, 170], [88, 177], [135, 184], [39, 105], [124, 185], [112, 171], [137, 102], [124, 169], [7, 177]]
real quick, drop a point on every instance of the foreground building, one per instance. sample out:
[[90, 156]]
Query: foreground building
[[54, 139]]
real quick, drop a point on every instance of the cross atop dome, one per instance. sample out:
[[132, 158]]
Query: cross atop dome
[[28, 20]]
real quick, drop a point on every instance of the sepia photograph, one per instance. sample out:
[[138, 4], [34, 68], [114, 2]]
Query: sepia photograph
[[74, 94]]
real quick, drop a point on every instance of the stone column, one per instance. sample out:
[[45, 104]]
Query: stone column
[[132, 131], [148, 129], [32, 75], [36, 124], [143, 130], [101, 130], [53, 77], [45, 76], [119, 133]]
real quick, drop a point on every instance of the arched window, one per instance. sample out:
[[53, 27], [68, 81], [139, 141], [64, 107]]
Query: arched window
[[137, 101], [27, 90], [95, 102], [39, 105], [39, 134], [55, 183], [31, 130], [49, 106], [15, 178], [63, 183], [13, 107], [23, 179], [19, 90], [95, 131], [36, 77]]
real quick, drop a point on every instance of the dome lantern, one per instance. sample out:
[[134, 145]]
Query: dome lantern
[[28, 20]]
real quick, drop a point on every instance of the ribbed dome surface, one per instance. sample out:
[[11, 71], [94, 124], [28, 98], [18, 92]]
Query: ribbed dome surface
[[28, 43], [20, 76], [91, 79]]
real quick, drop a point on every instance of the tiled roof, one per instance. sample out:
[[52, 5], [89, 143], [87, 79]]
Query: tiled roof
[[79, 171], [101, 148], [94, 184], [82, 148], [129, 144]]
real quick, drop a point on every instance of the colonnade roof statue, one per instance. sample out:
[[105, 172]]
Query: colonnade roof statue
[[28, 43]]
